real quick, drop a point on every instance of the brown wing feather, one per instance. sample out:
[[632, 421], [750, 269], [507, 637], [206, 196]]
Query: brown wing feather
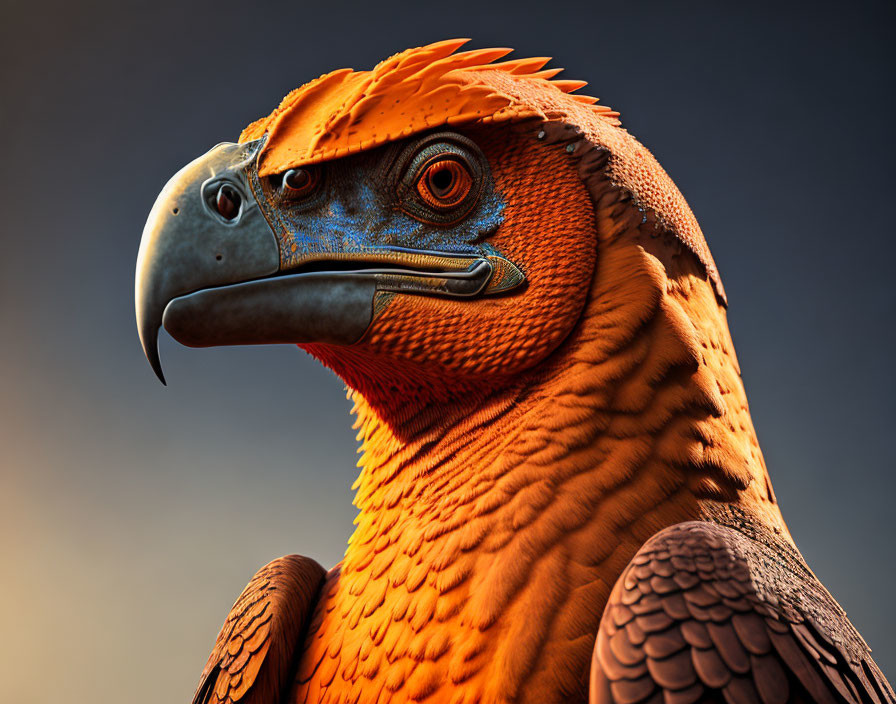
[[252, 658], [708, 613]]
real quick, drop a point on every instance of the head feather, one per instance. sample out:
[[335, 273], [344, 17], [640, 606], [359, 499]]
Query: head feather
[[347, 111]]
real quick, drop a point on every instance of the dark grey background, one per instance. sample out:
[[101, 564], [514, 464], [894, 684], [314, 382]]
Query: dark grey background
[[131, 515]]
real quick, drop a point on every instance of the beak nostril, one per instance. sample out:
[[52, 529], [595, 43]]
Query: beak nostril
[[227, 202]]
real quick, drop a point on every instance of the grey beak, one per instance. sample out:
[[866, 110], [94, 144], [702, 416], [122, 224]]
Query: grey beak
[[189, 245]]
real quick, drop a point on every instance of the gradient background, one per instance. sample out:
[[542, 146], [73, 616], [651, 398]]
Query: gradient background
[[131, 515]]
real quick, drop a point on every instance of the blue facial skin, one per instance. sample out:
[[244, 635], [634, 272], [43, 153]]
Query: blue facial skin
[[364, 204]]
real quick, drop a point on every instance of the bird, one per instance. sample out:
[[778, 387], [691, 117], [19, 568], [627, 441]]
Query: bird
[[561, 494]]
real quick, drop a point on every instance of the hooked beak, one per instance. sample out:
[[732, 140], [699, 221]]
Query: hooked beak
[[203, 269], [188, 245], [208, 269]]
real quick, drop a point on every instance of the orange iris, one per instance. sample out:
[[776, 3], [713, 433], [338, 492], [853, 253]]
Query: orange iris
[[444, 184]]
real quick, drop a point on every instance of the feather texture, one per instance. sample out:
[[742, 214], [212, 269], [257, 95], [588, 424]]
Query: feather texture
[[253, 654], [711, 613]]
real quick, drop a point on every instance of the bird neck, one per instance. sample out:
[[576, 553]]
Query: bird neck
[[490, 534], [646, 385]]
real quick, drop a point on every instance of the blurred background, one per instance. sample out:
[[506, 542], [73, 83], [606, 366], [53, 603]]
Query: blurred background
[[131, 515]]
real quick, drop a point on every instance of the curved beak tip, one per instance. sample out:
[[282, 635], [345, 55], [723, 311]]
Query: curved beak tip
[[181, 236], [150, 343]]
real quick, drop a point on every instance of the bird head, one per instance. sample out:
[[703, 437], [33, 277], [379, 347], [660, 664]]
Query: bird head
[[427, 228]]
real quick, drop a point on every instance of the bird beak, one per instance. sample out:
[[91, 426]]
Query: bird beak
[[206, 269], [209, 268]]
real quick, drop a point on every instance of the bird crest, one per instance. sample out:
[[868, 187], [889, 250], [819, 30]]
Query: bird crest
[[347, 111]]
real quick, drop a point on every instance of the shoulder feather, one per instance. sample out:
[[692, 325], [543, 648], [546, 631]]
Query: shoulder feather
[[708, 613], [254, 652]]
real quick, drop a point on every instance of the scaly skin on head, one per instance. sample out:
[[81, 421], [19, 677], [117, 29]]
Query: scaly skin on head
[[426, 358]]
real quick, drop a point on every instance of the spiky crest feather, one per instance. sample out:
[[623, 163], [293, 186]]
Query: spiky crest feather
[[347, 111]]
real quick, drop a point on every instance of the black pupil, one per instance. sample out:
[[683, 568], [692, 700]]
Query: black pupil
[[441, 181], [227, 202], [297, 179]]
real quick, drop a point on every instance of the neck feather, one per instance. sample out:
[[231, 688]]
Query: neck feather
[[493, 525]]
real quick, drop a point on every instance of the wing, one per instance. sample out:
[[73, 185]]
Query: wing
[[252, 658], [706, 613]]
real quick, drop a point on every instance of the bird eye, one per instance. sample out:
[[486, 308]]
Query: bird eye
[[226, 201], [440, 178], [301, 182], [444, 183]]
